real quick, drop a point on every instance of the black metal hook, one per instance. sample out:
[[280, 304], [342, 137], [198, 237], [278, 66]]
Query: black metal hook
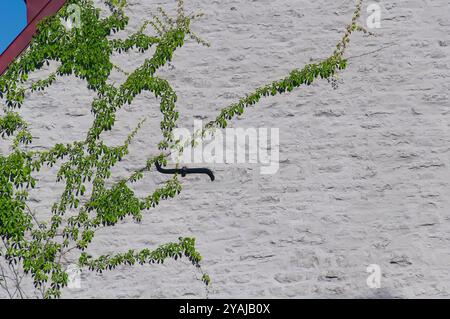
[[185, 171]]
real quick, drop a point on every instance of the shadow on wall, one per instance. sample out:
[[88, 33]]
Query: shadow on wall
[[382, 293]]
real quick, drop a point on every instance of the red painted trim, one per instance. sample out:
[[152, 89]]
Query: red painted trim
[[24, 38], [34, 7]]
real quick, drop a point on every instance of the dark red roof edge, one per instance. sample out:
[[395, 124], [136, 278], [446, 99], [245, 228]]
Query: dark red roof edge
[[24, 38]]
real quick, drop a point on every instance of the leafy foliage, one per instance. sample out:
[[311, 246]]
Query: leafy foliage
[[36, 249]]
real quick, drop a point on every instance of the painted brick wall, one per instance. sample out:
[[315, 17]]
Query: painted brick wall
[[364, 169]]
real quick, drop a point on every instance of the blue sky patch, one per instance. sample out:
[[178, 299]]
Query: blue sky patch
[[13, 19]]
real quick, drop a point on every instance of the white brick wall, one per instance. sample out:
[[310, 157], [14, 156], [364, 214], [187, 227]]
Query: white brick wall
[[364, 173]]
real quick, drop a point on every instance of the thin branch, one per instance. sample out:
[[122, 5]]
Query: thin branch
[[371, 52], [4, 282]]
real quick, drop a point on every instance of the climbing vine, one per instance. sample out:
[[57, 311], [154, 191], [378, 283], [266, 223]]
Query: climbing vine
[[37, 248]]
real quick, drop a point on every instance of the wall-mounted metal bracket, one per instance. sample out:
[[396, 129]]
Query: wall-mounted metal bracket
[[185, 171]]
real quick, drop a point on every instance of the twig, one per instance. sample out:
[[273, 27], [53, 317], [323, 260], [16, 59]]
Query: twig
[[371, 52], [4, 283]]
